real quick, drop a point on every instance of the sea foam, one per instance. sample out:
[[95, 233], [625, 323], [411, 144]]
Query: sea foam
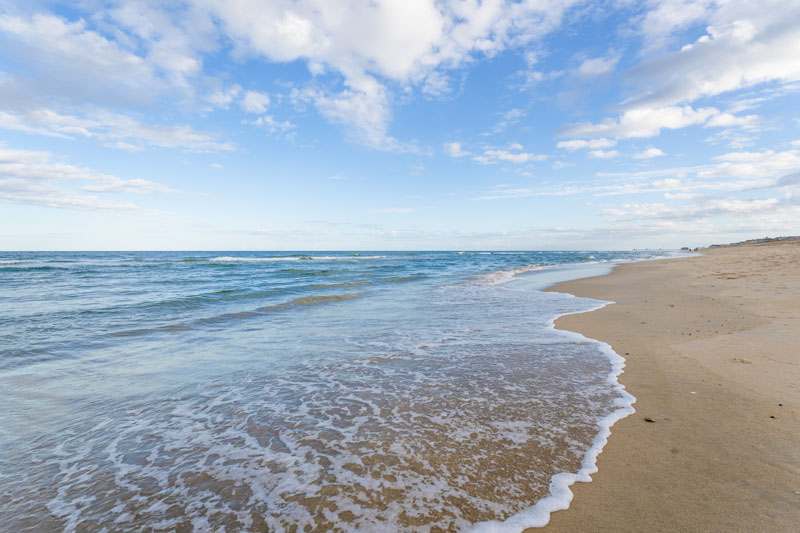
[[560, 497]]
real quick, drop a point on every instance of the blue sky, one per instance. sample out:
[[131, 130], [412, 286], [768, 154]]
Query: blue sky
[[310, 124]]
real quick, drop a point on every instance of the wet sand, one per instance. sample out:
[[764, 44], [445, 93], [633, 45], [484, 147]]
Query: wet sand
[[713, 357]]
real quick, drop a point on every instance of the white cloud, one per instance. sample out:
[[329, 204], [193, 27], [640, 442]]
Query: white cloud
[[171, 42], [667, 183], [577, 144], [648, 122], [68, 62], [509, 118], [746, 43], [704, 209], [725, 120], [604, 154], [649, 153], [274, 126], [255, 102], [45, 194], [365, 109], [454, 149], [38, 165], [507, 192], [680, 196], [667, 16], [517, 156], [372, 44], [114, 130], [33, 177], [752, 164], [222, 97], [436, 84], [138, 53], [47, 122], [597, 66], [735, 172]]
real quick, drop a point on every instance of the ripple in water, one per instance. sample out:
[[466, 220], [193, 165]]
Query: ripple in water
[[422, 406]]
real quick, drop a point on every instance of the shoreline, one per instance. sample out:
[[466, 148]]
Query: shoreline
[[708, 342], [560, 495]]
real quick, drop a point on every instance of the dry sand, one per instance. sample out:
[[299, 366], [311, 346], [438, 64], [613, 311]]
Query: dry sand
[[713, 357]]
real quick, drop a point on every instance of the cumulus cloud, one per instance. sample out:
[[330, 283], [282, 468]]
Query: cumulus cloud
[[604, 154], [374, 44], [360, 53], [223, 96], [255, 102], [365, 108], [454, 149], [648, 122], [597, 66], [649, 153], [746, 43], [665, 17]]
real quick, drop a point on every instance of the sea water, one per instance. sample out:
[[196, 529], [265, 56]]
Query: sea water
[[377, 391]]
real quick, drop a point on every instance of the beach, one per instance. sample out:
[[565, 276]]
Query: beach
[[712, 348], [252, 391]]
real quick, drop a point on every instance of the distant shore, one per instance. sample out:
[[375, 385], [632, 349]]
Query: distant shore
[[712, 345]]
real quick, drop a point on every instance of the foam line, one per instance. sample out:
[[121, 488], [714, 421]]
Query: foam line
[[560, 493], [229, 259]]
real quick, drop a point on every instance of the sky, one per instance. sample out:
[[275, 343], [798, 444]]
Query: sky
[[397, 124]]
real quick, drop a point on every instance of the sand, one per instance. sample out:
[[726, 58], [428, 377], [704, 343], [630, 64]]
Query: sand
[[713, 357]]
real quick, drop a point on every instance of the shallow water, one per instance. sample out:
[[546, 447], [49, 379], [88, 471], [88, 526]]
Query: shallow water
[[278, 391]]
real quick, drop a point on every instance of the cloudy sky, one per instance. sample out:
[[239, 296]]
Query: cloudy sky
[[397, 124]]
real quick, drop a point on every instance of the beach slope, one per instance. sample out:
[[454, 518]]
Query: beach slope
[[713, 357]]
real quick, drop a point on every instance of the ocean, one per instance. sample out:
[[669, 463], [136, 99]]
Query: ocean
[[297, 391]]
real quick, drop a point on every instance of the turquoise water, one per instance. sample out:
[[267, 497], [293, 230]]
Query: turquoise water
[[291, 391]]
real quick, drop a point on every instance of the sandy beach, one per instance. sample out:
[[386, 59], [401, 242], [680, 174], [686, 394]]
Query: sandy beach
[[713, 357]]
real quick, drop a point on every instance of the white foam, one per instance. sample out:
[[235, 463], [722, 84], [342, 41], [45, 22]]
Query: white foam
[[227, 259], [504, 276], [561, 495], [230, 259]]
